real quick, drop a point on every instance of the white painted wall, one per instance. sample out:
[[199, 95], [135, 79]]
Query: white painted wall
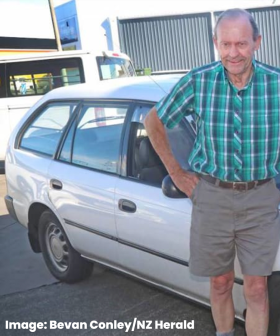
[[133, 8], [90, 19]]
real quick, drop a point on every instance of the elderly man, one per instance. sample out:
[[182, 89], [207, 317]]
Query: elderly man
[[235, 157]]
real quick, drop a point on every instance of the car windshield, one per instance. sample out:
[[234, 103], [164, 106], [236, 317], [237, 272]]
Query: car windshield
[[114, 67]]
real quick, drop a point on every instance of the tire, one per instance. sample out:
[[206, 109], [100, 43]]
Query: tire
[[65, 263], [274, 304]]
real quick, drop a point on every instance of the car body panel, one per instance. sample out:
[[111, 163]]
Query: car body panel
[[86, 204], [27, 172], [162, 217]]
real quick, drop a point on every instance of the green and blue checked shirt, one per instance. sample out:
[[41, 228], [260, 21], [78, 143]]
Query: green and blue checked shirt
[[238, 131]]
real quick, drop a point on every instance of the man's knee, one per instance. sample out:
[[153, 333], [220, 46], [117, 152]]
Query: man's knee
[[223, 283], [255, 288]]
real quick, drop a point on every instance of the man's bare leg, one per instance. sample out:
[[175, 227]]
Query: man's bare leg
[[222, 303], [256, 295]]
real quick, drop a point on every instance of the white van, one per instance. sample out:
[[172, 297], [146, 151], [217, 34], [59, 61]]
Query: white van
[[25, 78]]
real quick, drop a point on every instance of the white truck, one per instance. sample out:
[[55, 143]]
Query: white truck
[[26, 77]]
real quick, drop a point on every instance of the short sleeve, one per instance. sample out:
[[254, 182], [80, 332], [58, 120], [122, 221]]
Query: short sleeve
[[178, 103]]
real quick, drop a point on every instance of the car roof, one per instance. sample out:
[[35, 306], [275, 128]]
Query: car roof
[[141, 88], [37, 56]]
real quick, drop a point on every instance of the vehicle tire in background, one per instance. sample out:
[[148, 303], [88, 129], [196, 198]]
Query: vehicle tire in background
[[65, 263]]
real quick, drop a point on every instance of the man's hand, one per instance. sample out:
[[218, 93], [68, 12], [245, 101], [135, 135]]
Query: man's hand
[[185, 181]]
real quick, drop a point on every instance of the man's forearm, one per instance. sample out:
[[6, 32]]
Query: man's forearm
[[185, 181], [159, 140]]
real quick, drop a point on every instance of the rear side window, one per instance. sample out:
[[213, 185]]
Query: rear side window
[[114, 67], [44, 133], [39, 77], [94, 141]]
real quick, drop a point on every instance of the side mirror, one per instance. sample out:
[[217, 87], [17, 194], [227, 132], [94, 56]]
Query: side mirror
[[170, 190]]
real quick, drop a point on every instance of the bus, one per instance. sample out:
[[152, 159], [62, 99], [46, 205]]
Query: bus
[[25, 78]]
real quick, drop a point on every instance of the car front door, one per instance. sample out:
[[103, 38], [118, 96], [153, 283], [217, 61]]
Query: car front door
[[154, 230]]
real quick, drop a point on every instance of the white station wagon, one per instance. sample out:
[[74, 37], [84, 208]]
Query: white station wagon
[[84, 179]]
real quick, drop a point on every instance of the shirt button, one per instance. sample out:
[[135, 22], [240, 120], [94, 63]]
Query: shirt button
[[236, 151], [236, 170]]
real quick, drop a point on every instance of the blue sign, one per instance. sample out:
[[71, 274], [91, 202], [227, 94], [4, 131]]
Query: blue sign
[[68, 31]]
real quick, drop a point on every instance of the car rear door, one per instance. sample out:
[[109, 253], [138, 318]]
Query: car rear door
[[83, 177]]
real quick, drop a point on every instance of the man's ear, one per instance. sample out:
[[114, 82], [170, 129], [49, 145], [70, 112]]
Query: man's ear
[[258, 43], [215, 41]]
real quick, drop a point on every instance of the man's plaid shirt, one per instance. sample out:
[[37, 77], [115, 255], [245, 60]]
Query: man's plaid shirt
[[238, 131]]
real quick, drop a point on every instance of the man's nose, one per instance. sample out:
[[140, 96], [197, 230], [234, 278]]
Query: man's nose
[[233, 52]]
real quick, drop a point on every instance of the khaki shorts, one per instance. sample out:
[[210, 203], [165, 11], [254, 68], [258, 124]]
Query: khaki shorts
[[226, 221]]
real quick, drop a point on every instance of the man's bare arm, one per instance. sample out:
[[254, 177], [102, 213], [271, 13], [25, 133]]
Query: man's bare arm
[[185, 181]]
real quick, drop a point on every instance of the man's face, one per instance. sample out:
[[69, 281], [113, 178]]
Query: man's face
[[236, 46]]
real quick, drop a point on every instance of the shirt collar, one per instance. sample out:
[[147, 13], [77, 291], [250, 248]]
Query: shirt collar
[[225, 76]]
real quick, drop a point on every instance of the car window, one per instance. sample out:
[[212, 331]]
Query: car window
[[39, 77], [114, 67], [44, 133], [144, 164], [94, 141]]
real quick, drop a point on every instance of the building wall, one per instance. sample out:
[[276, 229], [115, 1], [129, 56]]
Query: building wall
[[185, 41], [90, 34], [268, 20], [168, 42]]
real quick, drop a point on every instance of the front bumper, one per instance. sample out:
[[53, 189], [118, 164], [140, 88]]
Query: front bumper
[[10, 207]]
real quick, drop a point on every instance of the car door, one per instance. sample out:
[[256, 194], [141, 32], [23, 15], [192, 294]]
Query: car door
[[154, 230], [83, 177]]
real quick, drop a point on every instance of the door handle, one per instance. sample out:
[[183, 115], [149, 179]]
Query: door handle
[[56, 184], [127, 206]]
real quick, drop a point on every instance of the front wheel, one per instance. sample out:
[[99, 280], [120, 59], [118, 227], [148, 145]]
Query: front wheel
[[62, 260]]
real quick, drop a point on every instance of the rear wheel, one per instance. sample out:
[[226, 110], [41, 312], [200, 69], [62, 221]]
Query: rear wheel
[[62, 260]]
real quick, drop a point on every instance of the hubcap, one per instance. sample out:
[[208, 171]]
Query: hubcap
[[57, 247]]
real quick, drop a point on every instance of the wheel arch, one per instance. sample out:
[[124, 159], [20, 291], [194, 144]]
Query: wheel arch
[[34, 213]]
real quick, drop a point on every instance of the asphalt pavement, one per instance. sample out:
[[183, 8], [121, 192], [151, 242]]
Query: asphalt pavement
[[34, 302]]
